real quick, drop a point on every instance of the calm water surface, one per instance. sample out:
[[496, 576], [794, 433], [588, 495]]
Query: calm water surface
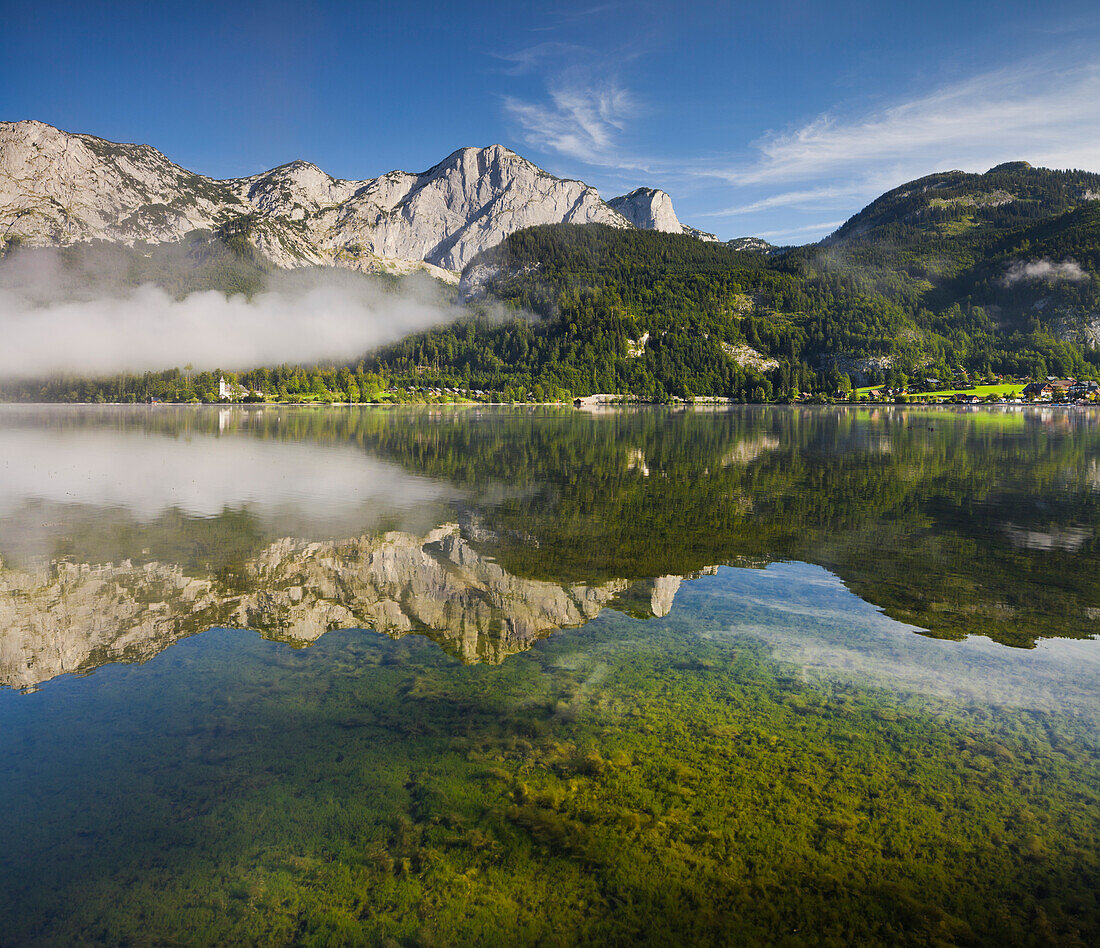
[[341, 676]]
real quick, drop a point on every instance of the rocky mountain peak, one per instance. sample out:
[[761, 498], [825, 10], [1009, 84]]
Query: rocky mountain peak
[[648, 209], [59, 188], [651, 209], [468, 202], [295, 190]]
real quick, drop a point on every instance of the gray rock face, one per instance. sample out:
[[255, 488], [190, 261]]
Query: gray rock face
[[470, 201], [700, 235], [648, 209], [753, 245], [651, 209], [58, 188]]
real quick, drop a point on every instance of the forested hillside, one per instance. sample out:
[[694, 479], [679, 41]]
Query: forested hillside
[[586, 297], [993, 273]]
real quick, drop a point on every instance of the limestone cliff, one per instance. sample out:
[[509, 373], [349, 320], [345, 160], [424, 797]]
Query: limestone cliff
[[651, 209]]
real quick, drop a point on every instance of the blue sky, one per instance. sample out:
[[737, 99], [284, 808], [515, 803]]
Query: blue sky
[[779, 119]]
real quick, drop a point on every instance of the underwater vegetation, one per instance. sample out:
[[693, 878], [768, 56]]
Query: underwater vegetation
[[668, 781]]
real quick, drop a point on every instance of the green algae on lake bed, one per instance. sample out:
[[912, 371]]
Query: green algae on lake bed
[[666, 781]]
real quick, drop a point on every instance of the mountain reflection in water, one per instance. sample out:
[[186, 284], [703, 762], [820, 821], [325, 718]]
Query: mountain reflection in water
[[76, 617], [124, 530]]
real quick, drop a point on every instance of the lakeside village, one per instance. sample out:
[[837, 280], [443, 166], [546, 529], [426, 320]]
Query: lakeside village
[[342, 386], [997, 391], [994, 391]]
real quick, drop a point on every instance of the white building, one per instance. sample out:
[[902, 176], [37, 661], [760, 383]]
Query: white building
[[231, 391]]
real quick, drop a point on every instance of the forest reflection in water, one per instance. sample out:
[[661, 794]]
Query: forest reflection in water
[[832, 679], [124, 530]]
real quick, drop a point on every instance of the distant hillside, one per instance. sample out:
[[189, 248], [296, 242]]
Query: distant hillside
[[1020, 243], [957, 210]]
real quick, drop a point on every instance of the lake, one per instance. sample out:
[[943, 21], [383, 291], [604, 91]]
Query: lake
[[781, 675]]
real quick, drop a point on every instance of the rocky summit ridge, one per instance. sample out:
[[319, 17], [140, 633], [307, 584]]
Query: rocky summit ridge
[[59, 188], [651, 209]]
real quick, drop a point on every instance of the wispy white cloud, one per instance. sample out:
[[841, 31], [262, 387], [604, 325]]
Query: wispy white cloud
[[1048, 115], [531, 58], [822, 229], [559, 18], [1044, 111], [584, 111], [806, 198], [581, 120]]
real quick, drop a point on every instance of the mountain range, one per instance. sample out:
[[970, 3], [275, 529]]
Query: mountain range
[[58, 188]]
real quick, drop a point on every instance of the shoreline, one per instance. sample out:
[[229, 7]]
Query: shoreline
[[711, 403]]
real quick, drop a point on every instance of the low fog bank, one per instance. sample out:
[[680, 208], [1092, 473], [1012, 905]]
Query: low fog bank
[[56, 318], [1044, 270]]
